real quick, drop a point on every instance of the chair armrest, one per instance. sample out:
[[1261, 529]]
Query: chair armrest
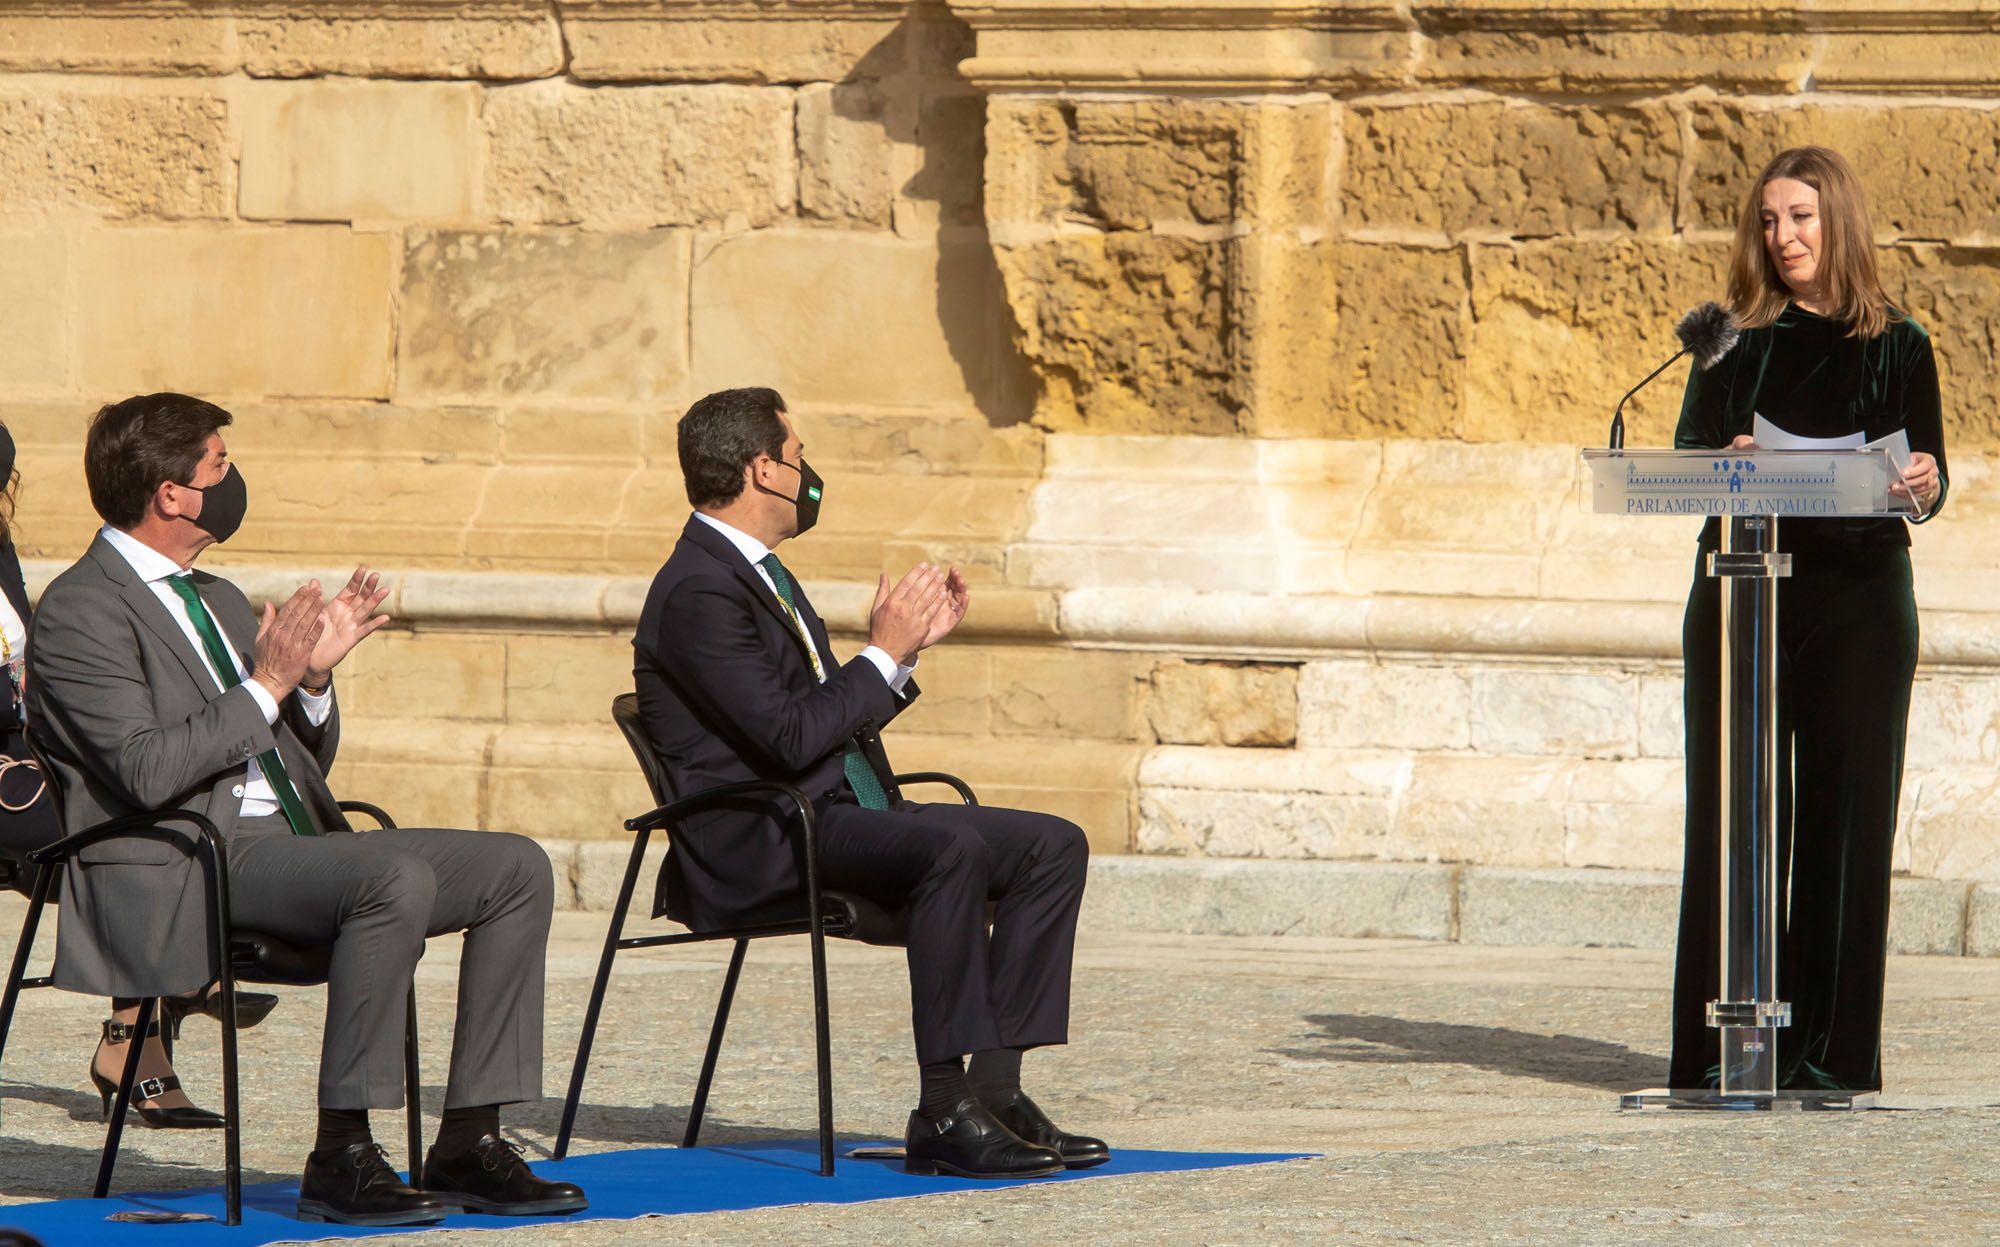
[[938, 777], [376, 812], [131, 824], [721, 794]]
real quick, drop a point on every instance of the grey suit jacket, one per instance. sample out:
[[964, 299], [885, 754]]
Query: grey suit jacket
[[131, 721]]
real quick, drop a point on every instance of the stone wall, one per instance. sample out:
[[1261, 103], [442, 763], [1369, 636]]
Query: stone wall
[[1237, 350]]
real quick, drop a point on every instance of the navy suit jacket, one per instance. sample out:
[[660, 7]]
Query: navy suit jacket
[[728, 693]]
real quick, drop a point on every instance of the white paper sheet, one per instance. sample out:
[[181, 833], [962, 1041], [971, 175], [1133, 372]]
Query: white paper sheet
[[1769, 436]]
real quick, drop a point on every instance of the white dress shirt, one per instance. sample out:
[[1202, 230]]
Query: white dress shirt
[[155, 568], [893, 673]]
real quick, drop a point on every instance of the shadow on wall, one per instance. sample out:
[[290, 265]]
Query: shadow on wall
[[1364, 1039], [908, 86]]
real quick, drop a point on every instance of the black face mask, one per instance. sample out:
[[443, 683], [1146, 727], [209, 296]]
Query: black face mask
[[810, 488], [222, 505]]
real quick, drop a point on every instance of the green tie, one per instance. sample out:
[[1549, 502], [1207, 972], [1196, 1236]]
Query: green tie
[[860, 776], [225, 667]]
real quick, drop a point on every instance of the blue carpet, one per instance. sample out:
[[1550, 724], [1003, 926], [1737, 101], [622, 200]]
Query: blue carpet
[[621, 1185]]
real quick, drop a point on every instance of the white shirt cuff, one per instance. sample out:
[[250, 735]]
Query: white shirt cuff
[[265, 702], [894, 674], [317, 706]]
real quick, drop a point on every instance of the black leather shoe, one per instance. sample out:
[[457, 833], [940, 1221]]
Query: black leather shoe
[[1021, 1115], [493, 1179], [969, 1142], [251, 1008], [354, 1186]]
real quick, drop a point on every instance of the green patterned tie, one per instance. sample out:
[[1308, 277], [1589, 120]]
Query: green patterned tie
[[860, 776], [225, 667]]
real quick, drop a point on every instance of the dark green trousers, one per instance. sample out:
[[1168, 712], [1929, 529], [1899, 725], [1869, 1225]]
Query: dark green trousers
[[1847, 635]]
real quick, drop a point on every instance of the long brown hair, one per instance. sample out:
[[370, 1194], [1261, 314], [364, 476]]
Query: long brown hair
[[1847, 275]]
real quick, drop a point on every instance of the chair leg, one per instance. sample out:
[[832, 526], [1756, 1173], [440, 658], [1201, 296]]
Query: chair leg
[[123, 1101], [38, 897], [700, 1104], [824, 1051], [612, 934], [413, 1091]]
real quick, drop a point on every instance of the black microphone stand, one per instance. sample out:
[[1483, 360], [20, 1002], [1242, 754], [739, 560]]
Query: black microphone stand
[[1618, 416]]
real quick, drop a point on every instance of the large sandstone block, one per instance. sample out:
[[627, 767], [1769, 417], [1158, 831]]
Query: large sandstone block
[[550, 315], [1128, 332], [1954, 293], [1929, 170], [800, 41], [1224, 703], [847, 159], [1394, 348], [1494, 810], [348, 151], [34, 346], [1089, 694], [566, 781], [632, 157], [1486, 168], [1953, 56], [44, 38], [830, 318], [1570, 713], [494, 39], [443, 675], [553, 515], [329, 508], [148, 154], [566, 679], [1531, 45], [1561, 331], [940, 178], [295, 312], [1271, 803], [1456, 518], [1356, 704], [1629, 815]]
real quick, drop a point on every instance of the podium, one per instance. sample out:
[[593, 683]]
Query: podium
[[1751, 492]]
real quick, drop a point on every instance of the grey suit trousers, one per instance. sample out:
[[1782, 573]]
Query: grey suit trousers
[[375, 896]]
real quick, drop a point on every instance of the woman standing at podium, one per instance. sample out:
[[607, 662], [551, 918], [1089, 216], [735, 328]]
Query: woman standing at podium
[[1823, 353]]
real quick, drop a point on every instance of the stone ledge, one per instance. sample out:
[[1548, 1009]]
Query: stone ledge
[[1368, 900]]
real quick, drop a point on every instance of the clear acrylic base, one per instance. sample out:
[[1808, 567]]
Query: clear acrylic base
[[1685, 1100]]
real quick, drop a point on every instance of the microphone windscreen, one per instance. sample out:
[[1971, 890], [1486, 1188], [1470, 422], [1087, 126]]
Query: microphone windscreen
[[1708, 333]]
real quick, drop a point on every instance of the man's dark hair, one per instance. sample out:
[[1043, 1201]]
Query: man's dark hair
[[719, 437], [135, 446]]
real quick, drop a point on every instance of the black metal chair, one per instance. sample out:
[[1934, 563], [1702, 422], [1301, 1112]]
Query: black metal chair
[[244, 956], [842, 915]]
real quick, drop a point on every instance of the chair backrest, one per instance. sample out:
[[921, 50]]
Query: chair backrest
[[625, 713]]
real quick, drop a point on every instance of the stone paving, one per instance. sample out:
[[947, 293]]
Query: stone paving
[[1458, 1094]]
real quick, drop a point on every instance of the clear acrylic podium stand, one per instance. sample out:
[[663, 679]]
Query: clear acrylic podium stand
[[1751, 492]]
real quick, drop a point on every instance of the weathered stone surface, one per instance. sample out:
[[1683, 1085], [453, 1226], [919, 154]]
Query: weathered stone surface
[[1127, 332], [1662, 723], [1544, 55], [33, 312], [827, 318], [1559, 332], [437, 675], [1074, 693], [45, 39], [1982, 927], [944, 187], [625, 158], [1271, 803], [1929, 170], [1954, 293], [140, 155], [570, 781], [1119, 165], [566, 679], [294, 312], [1600, 909], [1953, 60], [346, 151], [1410, 383], [1954, 722], [1555, 712], [1497, 810], [1224, 703], [801, 41], [1628, 814], [846, 158], [501, 39], [1512, 170], [565, 315], [1928, 916], [1269, 898], [1356, 705]]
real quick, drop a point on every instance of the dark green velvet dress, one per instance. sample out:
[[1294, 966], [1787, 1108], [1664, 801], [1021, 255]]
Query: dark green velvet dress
[[1847, 639]]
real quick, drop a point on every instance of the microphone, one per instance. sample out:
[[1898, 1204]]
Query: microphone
[[1708, 333]]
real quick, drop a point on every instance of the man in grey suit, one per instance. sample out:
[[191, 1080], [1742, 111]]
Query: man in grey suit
[[154, 685]]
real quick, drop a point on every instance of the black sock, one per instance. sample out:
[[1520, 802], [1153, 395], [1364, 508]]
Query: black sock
[[342, 1127], [943, 1087], [463, 1127], [995, 1074]]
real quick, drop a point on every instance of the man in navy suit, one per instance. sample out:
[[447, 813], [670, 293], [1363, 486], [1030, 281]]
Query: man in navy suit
[[737, 680]]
